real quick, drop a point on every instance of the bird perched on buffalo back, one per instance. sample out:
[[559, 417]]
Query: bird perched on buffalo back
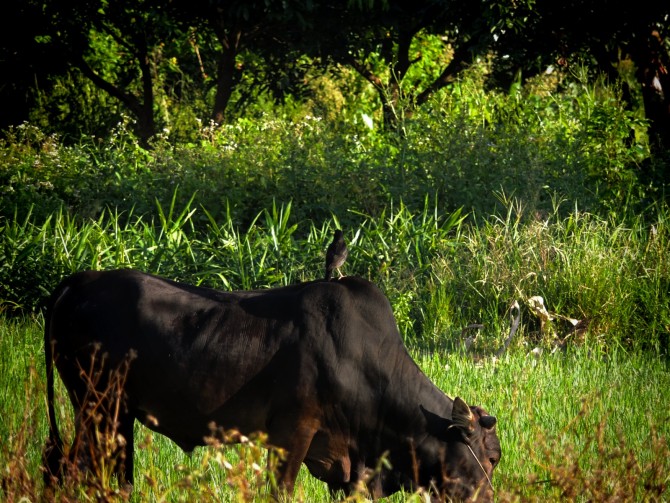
[[336, 254]]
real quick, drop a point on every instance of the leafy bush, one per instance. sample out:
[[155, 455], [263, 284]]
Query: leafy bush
[[460, 149], [455, 215]]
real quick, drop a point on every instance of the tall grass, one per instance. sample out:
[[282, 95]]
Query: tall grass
[[440, 273], [612, 277]]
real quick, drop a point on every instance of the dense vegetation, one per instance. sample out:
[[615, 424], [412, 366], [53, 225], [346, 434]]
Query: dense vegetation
[[76, 68], [541, 202], [474, 201]]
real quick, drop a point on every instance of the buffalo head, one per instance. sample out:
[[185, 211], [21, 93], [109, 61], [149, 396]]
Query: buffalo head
[[473, 453], [469, 451]]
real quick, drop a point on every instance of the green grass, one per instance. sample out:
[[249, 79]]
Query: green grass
[[597, 415], [561, 403], [439, 272], [588, 423]]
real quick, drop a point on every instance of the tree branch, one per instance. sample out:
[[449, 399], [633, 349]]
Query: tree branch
[[448, 75], [365, 72], [129, 100]]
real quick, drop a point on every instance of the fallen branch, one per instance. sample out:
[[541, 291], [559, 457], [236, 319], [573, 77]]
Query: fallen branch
[[515, 325]]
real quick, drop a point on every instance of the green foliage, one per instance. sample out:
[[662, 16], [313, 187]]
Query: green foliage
[[586, 268], [460, 150], [576, 145], [439, 273], [478, 199], [234, 208], [252, 204], [171, 67], [72, 106]]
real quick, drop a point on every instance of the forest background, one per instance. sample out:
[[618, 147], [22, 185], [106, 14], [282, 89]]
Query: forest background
[[475, 153]]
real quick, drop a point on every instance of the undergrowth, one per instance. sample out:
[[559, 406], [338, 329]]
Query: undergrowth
[[577, 237], [596, 277]]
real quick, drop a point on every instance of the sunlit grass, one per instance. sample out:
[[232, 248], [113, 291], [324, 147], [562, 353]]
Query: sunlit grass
[[593, 407], [561, 402], [440, 273], [556, 413]]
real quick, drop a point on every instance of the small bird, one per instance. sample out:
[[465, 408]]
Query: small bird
[[336, 254]]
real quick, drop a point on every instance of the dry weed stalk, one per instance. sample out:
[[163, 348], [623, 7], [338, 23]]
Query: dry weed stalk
[[591, 469], [89, 466]]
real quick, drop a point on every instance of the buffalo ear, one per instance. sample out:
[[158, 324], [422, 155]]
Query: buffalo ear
[[461, 416], [435, 424], [487, 422]]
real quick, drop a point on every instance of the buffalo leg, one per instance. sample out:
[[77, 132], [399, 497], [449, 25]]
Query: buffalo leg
[[101, 444], [298, 446], [124, 469]]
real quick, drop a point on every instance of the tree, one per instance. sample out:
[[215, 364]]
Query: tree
[[116, 45], [355, 33], [119, 46], [261, 27], [27, 59], [557, 33]]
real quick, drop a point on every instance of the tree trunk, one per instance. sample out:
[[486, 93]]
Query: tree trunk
[[146, 122], [225, 72], [142, 110], [656, 96], [651, 61]]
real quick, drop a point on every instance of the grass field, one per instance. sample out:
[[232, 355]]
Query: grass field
[[583, 424]]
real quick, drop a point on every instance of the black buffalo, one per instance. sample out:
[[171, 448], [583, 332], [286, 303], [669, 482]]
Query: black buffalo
[[319, 367]]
